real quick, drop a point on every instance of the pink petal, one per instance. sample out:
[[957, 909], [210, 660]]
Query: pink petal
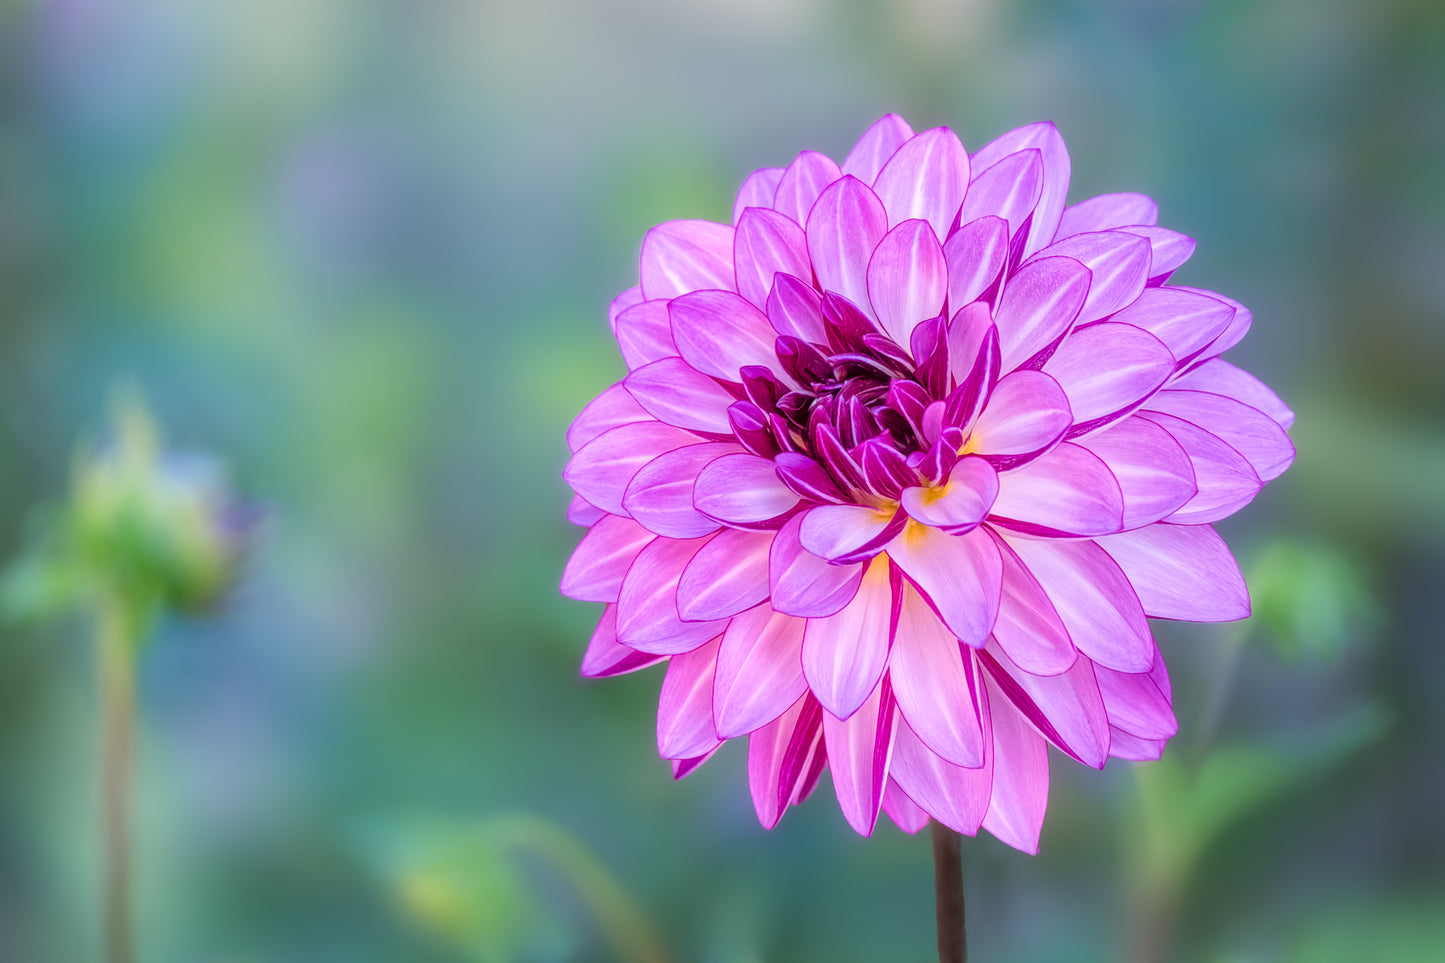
[[1167, 250], [968, 333], [595, 570], [728, 575], [1065, 707], [1237, 329], [611, 409], [1222, 378], [1105, 212], [718, 333], [758, 190], [644, 333], [876, 146], [1181, 572], [601, 470], [684, 709], [1126, 745], [953, 795], [584, 513], [632, 296], [1093, 598], [796, 310], [759, 671], [904, 812], [959, 574], [907, 279], [931, 683], [1020, 777], [683, 256], [1028, 629], [858, 752], [682, 768], [1185, 321], [1068, 491], [1249, 431], [958, 505], [1026, 413], [782, 756], [1046, 139], [677, 394], [927, 179], [806, 177], [838, 531], [1154, 472], [1224, 480], [1039, 306], [660, 496], [1009, 189], [1136, 704], [844, 654], [975, 254], [743, 490], [843, 229], [605, 656], [768, 242], [647, 618], [1118, 262], [802, 583], [1107, 368]]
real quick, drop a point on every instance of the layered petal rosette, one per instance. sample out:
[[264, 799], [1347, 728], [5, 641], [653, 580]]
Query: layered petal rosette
[[905, 459]]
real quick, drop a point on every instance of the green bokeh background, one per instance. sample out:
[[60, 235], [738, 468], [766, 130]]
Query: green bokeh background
[[362, 250]]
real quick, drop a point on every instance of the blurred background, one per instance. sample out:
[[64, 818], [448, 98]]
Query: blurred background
[[362, 251]]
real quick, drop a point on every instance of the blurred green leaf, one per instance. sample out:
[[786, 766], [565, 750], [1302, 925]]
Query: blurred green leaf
[[1311, 600]]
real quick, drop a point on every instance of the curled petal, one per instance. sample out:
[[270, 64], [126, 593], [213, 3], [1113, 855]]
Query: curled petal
[[683, 256], [784, 760], [926, 178], [1065, 707], [960, 503], [1020, 790], [843, 532], [796, 310]]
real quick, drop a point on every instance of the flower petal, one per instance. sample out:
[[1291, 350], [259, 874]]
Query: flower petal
[[683, 256], [644, 334], [1068, 491], [676, 393], [728, 575], [844, 654], [1039, 306], [1167, 250], [878, 143], [905, 813], [1181, 572], [1126, 745], [595, 570], [858, 751], [784, 757], [803, 584], [1029, 629], [759, 671], [1093, 598], [1222, 378], [959, 574], [1026, 413], [931, 682], [1249, 431], [1107, 369], [611, 409], [601, 470], [1009, 189], [844, 227], [1020, 791], [1118, 262], [1064, 707], [605, 656], [768, 242], [975, 254], [1186, 321], [926, 178], [684, 709], [1154, 472], [961, 503], [758, 190], [647, 618], [796, 310], [840, 531], [742, 489], [629, 298], [1105, 212], [805, 178], [718, 333], [907, 279], [953, 795], [1045, 138], [584, 513], [1136, 704], [1224, 480]]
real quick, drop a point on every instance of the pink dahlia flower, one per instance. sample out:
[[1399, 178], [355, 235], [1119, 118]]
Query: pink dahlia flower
[[905, 458]]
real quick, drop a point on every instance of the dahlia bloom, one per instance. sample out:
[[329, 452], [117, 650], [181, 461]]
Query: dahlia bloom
[[905, 458]]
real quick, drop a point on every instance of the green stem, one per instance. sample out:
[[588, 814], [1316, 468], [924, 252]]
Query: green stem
[[948, 895], [115, 655]]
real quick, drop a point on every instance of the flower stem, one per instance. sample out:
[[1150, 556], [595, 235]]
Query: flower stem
[[948, 895], [115, 653]]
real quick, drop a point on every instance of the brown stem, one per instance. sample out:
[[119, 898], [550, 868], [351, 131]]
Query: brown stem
[[116, 656], [948, 894]]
